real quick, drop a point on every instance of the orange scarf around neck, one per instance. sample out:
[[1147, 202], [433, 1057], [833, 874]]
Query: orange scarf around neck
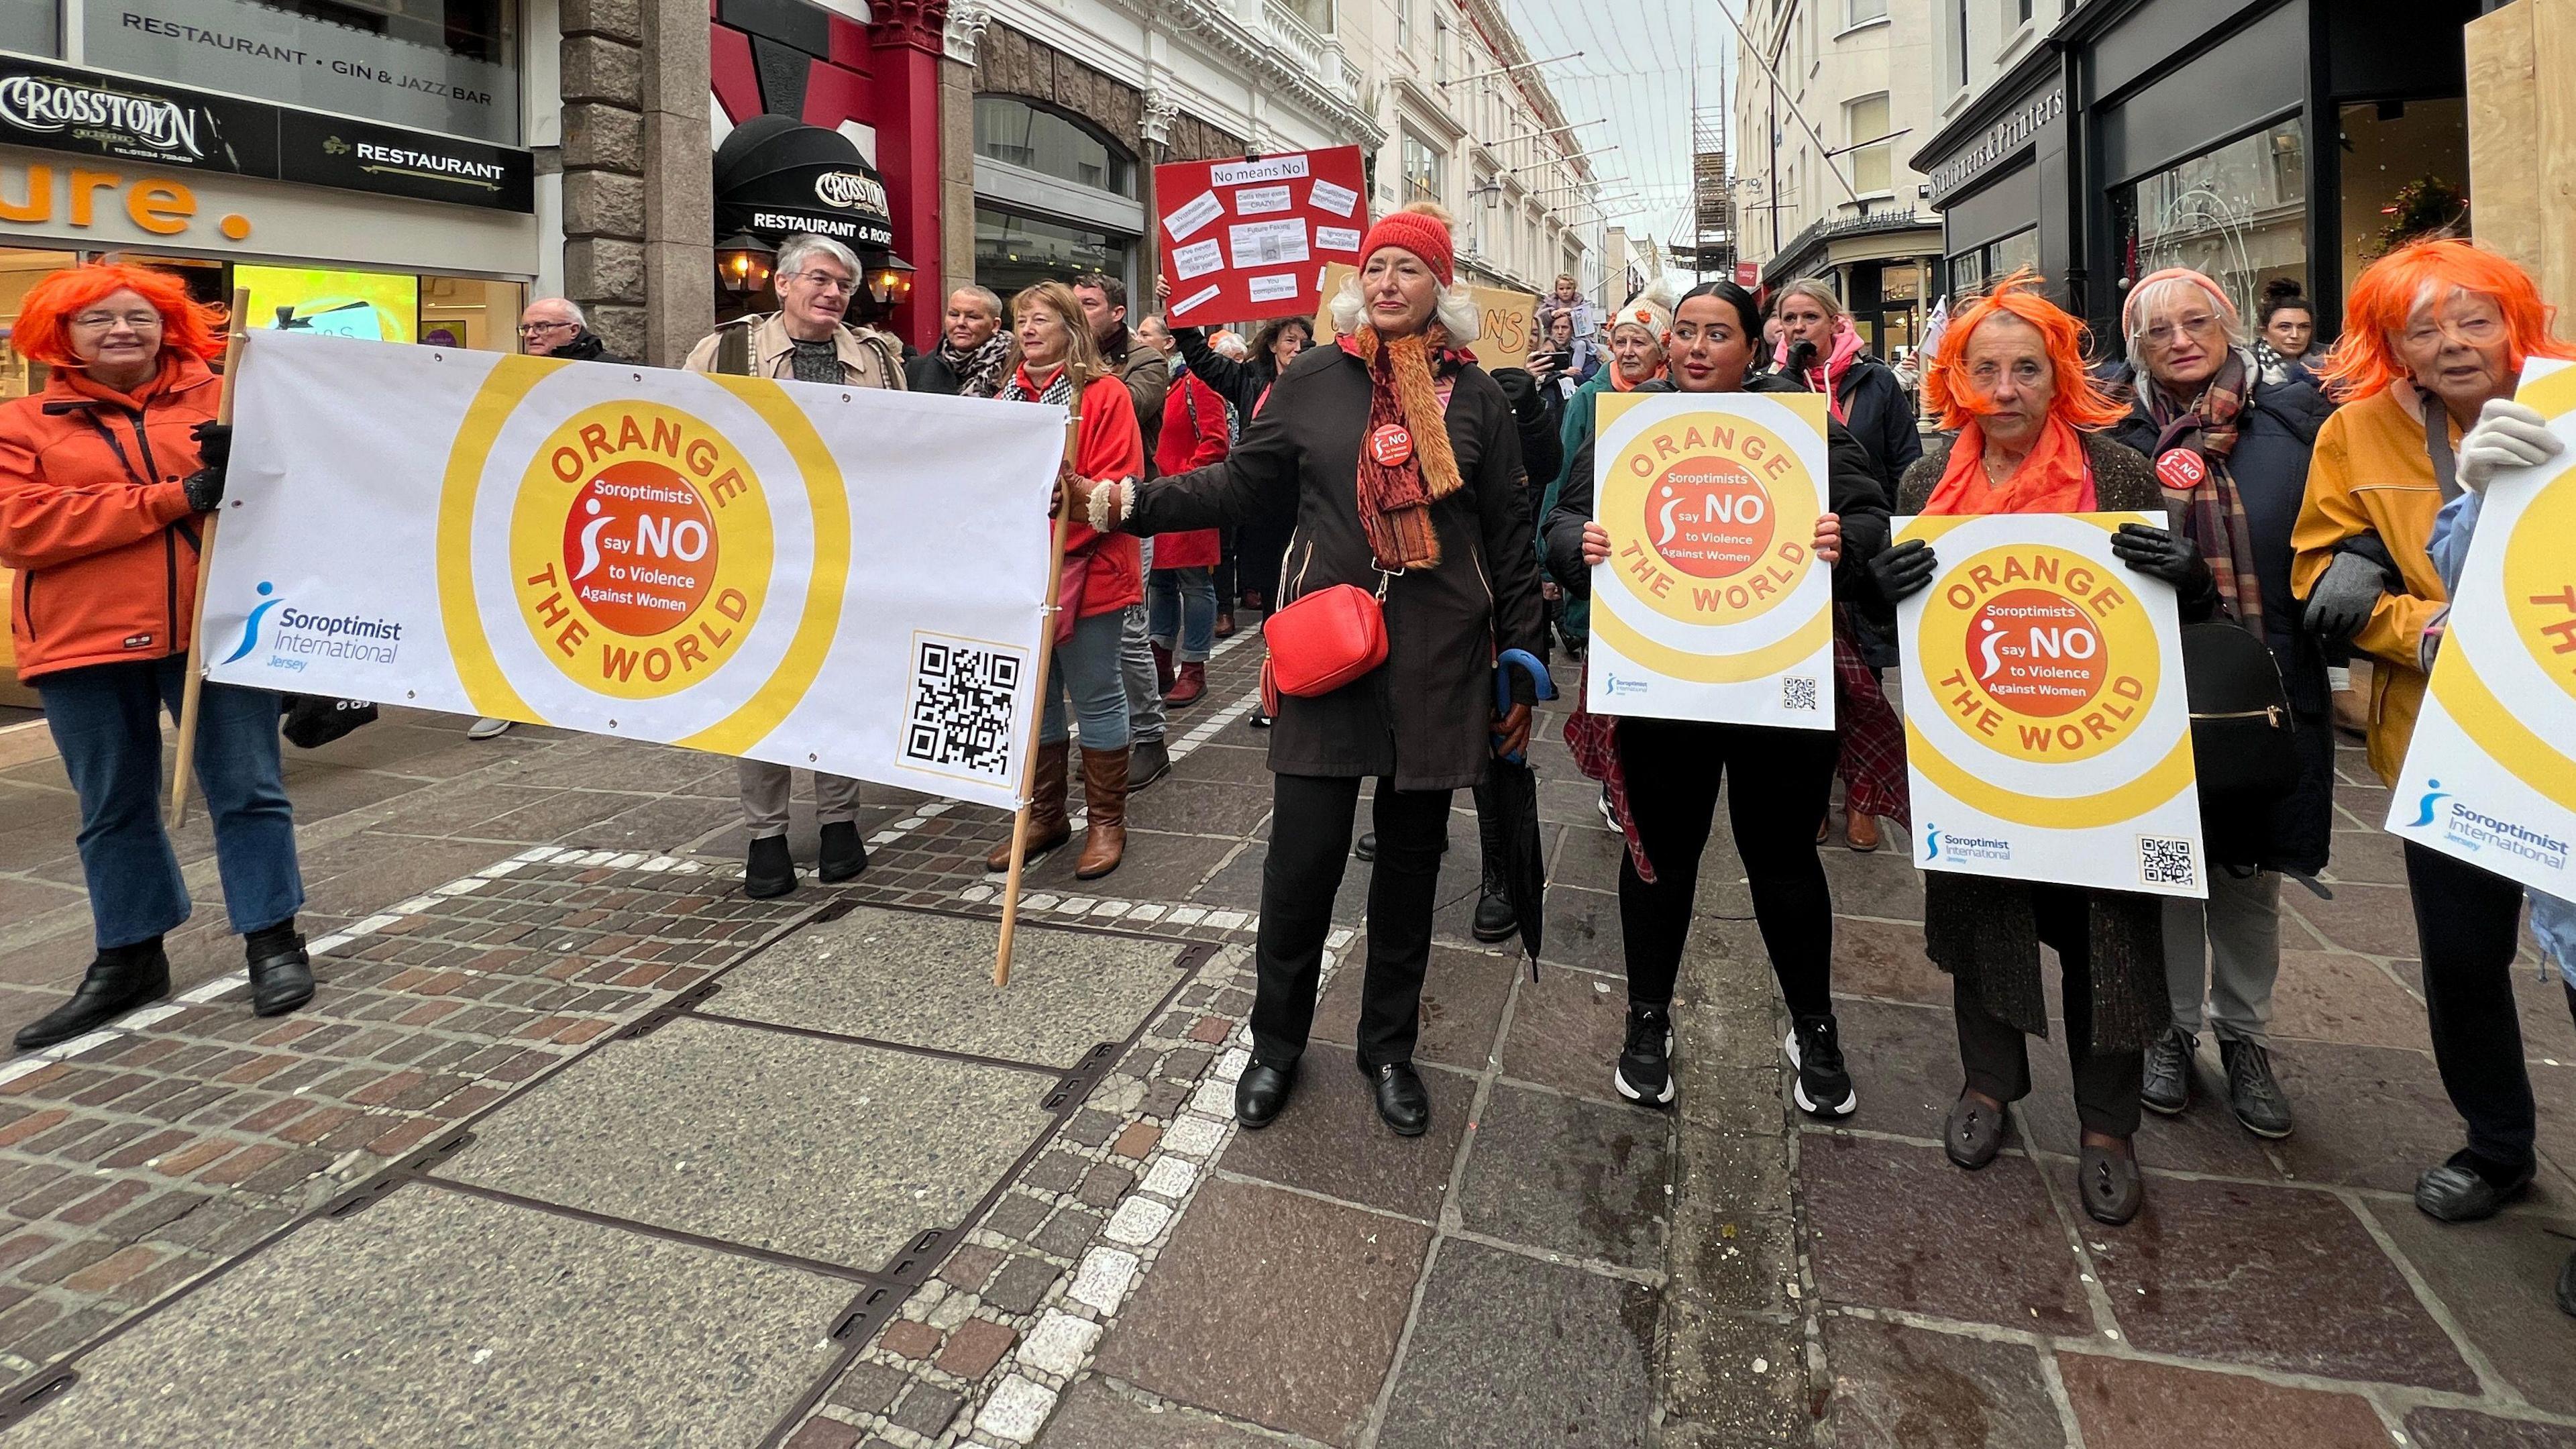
[[2055, 478], [1619, 380]]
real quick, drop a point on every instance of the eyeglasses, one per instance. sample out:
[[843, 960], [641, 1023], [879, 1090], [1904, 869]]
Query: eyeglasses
[[2202, 324], [826, 282], [531, 329], [102, 321]]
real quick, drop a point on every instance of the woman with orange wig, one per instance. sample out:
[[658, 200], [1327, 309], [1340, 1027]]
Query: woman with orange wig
[[104, 478], [2010, 378], [2435, 335]]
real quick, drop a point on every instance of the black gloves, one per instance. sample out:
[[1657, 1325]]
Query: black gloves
[[2344, 597], [2161, 553], [1902, 571], [214, 443], [205, 489], [1520, 389]]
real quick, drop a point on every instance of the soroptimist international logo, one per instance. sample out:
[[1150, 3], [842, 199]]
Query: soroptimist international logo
[[604, 557], [641, 547]]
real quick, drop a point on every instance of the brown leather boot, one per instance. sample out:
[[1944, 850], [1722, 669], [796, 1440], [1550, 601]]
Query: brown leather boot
[[1187, 687], [1162, 669], [1104, 787], [1048, 827]]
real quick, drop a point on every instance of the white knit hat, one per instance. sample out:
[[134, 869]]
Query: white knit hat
[[1651, 309]]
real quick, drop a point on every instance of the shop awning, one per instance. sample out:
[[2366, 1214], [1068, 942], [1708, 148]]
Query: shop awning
[[777, 176]]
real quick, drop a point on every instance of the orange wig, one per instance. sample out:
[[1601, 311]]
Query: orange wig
[[2424, 273], [2080, 401], [44, 322]]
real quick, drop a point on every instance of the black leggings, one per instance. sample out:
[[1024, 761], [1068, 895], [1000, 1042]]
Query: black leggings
[[1781, 779], [1997, 1055], [2468, 923], [1310, 838]]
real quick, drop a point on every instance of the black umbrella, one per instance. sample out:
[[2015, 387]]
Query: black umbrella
[[1513, 797]]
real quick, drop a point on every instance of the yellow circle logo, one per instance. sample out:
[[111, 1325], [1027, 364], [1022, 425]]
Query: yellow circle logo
[[2040, 654], [2540, 581], [1727, 518], [639, 549]]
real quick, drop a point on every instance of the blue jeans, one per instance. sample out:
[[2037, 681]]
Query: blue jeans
[[106, 721], [1086, 667], [1182, 602]]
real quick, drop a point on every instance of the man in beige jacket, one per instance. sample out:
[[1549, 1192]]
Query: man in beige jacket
[[805, 340]]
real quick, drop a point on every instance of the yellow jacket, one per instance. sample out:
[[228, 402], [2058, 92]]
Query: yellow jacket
[[2370, 474]]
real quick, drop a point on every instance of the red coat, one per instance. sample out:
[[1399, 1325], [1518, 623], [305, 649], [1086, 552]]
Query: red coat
[[94, 520], [1109, 446], [1194, 435]]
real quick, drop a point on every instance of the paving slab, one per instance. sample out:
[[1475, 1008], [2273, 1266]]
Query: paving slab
[[825, 1149], [1900, 1227], [2386, 1119], [1508, 1350], [1896, 1387], [1574, 1177], [1272, 1307], [1329, 1139], [2499, 1280], [1884, 959], [2125, 1404], [1463, 993], [517, 1328], [1095, 1416], [2285, 1278], [927, 980], [2465, 1429], [1567, 1028]]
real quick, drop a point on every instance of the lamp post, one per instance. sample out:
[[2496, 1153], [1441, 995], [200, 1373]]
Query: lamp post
[[743, 263]]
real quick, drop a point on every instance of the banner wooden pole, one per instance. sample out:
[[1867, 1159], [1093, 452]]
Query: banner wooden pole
[[196, 677], [1037, 714]]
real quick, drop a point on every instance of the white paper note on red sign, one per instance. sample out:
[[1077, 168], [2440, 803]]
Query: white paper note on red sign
[[1193, 216]]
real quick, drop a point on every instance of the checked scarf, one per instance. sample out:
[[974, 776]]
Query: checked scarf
[[2213, 514], [1058, 389]]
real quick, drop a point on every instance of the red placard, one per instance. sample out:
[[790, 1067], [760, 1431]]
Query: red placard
[[1242, 240]]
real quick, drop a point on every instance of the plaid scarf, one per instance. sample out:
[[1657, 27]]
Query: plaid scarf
[[1395, 498], [2212, 513], [978, 368], [1058, 389]]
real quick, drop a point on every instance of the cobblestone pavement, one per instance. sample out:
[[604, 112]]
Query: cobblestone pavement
[[576, 1145]]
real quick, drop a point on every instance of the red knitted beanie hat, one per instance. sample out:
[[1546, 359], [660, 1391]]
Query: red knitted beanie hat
[[1420, 228]]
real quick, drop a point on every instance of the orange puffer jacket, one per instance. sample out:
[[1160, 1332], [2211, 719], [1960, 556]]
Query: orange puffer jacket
[[93, 517]]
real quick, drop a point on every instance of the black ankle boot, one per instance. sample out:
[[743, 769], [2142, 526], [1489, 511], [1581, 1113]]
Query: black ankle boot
[[845, 855], [768, 871], [119, 979], [281, 975]]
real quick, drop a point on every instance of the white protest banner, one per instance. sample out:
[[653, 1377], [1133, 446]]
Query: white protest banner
[[2047, 732], [2491, 774], [845, 579], [1712, 605]]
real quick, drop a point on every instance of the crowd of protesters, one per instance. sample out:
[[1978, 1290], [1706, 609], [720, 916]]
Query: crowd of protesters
[[2321, 501]]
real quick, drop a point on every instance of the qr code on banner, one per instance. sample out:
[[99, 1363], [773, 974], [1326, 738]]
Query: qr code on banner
[[1798, 692], [964, 706], [2163, 861]]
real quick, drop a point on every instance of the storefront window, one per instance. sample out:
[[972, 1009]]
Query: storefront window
[[19, 271], [471, 313], [2237, 214], [449, 66], [1043, 141], [2405, 171], [1014, 251], [1972, 271], [32, 27], [1421, 169]]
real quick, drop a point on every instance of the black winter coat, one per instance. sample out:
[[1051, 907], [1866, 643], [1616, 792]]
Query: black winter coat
[[2276, 433], [1240, 383], [1879, 414], [585, 346], [1852, 487], [1424, 717]]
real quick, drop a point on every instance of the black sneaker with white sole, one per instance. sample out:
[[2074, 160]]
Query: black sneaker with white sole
[[1824, 1088], [1645, 1072]]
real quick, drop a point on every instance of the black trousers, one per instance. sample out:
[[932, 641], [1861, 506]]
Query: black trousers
[[1780, 781], [1310, 839], [1998, 1057], [2467, 924]]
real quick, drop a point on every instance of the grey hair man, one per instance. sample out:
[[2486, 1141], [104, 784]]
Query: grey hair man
[[805, 340]]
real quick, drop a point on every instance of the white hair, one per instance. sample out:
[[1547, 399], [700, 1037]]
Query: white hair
[[566, 303], [991, 299], [797, 250], [1232, 345], [1453, 307], [2158, 297]]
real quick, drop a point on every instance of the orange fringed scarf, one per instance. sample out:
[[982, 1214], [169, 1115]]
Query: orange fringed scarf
[[2054, 479], [1395, 498]]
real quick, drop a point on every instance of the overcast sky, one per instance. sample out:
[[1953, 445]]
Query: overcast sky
[[1640, 59]]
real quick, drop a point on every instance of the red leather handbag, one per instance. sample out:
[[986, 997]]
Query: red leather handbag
[[1326, 639]]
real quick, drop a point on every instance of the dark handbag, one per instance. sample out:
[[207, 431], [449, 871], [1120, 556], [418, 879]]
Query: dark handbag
[[2243, 739], [313, 720]]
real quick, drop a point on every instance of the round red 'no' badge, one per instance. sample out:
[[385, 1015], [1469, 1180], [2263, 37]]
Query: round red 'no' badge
[[1390, 445], [2181, 469]]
